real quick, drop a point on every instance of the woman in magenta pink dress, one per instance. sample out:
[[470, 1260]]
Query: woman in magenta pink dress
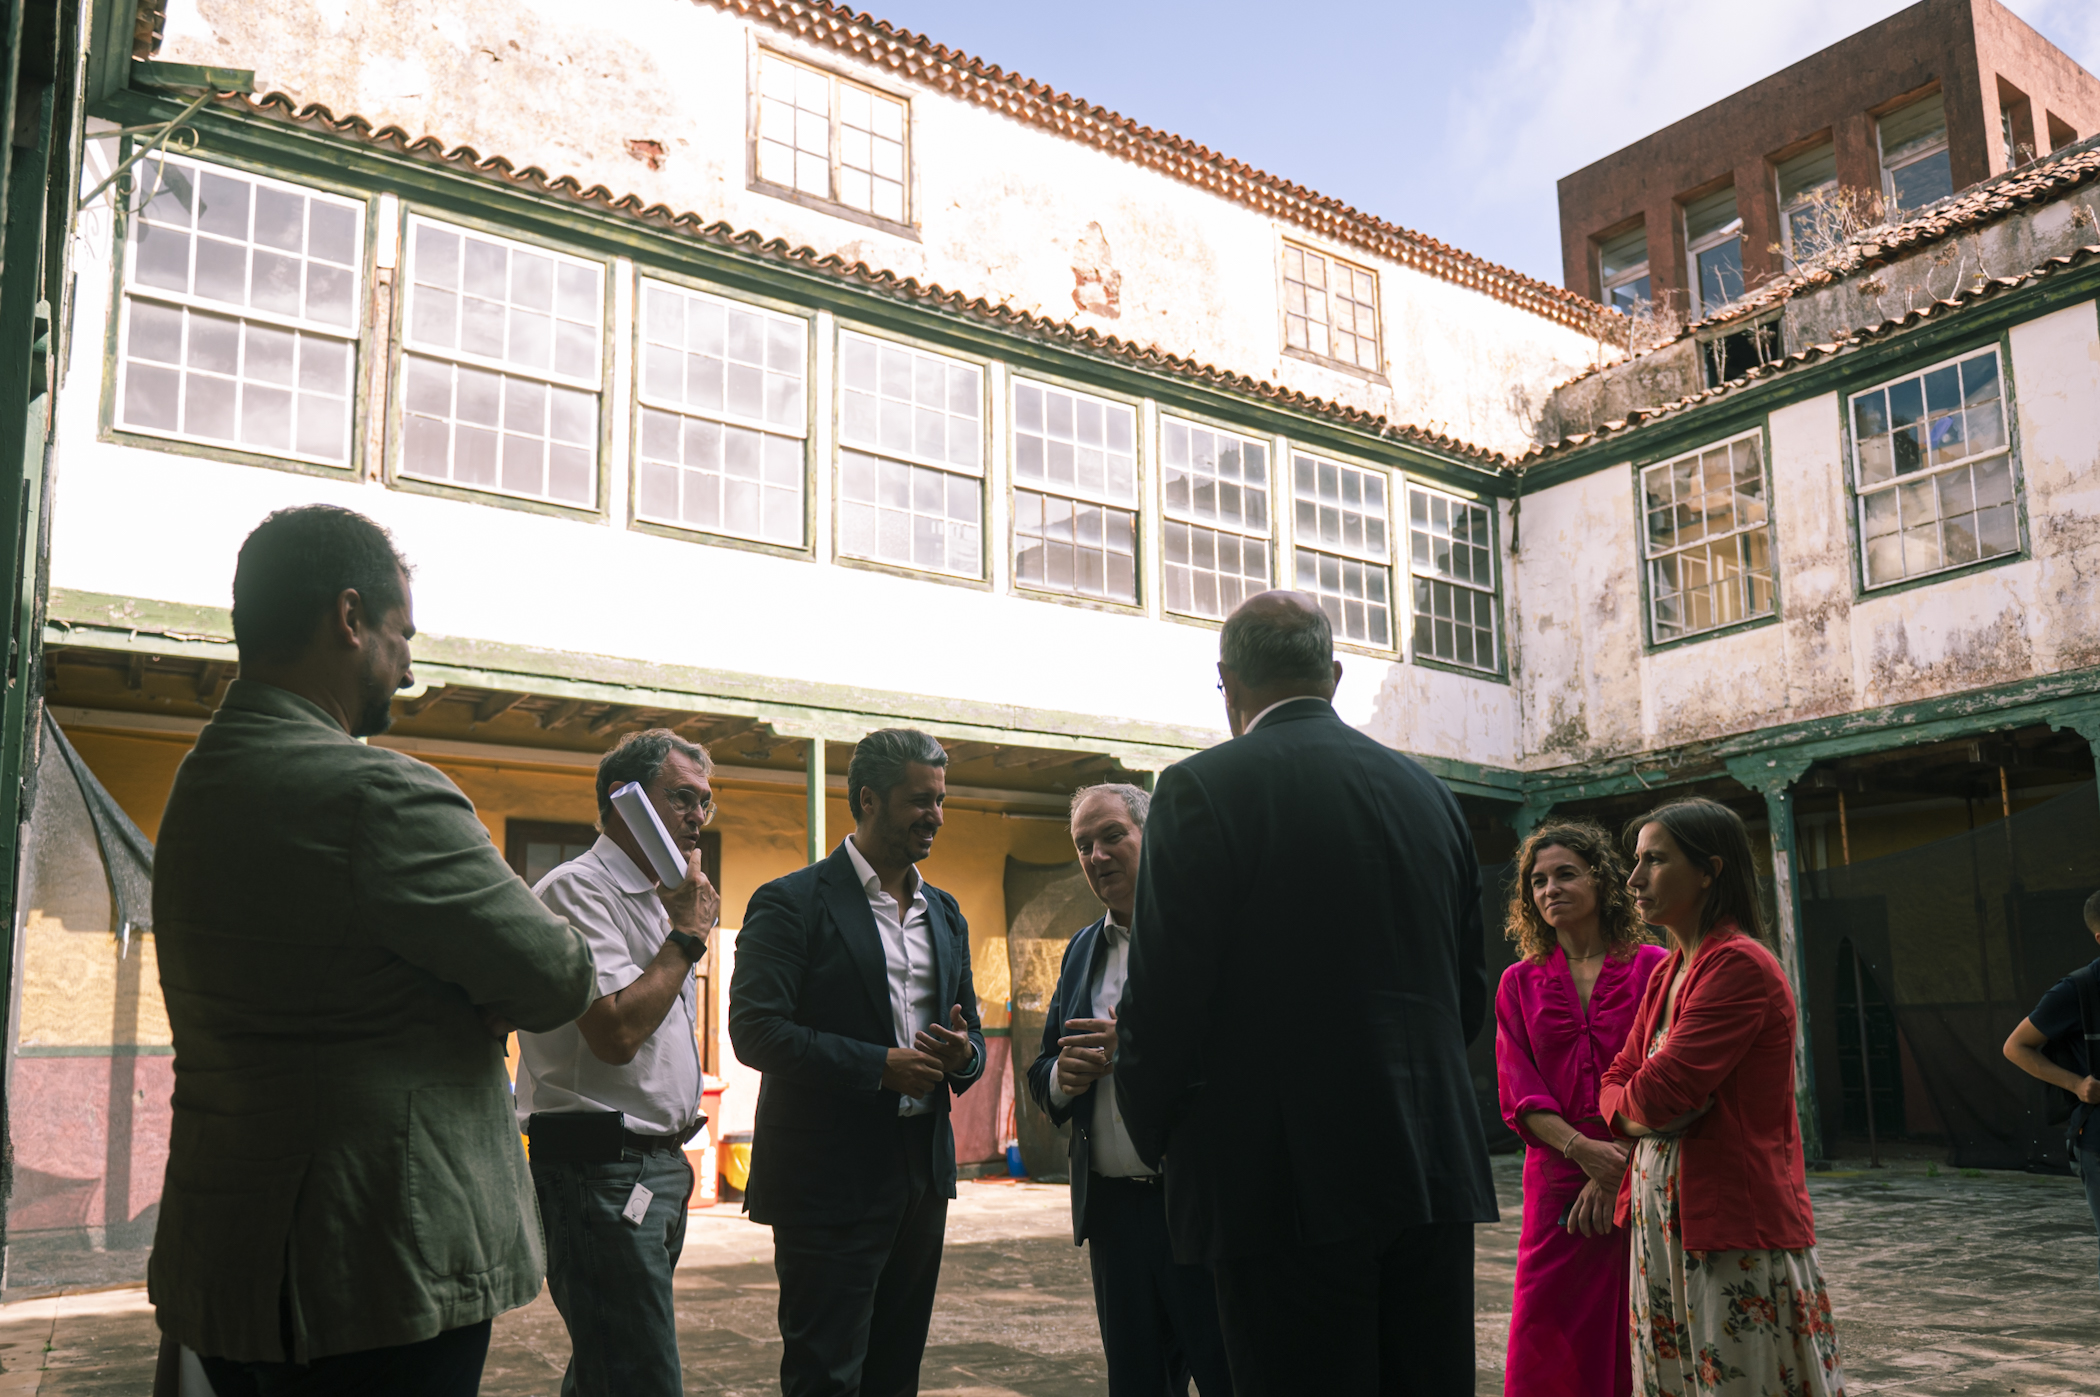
[[1561, 1016]]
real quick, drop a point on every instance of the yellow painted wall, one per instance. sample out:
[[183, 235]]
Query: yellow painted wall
[[761, 827]]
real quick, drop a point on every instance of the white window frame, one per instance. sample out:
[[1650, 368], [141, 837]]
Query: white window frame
[[1104, 498], [1326, 317], [1625, 276], [133, 292], [1424, 574], [1890, 165], [1190, 518], [1652, 558], [1788, 204], [1363, 555], [1893, 486], [648, 399], [595, 385], [1731, 231], [837, 142], [978, 475]]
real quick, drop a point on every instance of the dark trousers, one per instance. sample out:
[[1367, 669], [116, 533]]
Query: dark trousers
[[1393, 1319], [611, 1278], [448, 1365], [856, 1300], [2086, 1160], [1159, 1319]]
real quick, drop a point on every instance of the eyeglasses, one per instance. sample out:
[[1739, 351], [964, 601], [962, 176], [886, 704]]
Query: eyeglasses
[[689, 802]]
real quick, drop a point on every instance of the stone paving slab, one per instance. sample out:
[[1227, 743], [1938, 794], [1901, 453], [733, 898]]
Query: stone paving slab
[[1945, 1286]]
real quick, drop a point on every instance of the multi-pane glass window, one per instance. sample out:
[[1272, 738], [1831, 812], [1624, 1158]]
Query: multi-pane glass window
[[501, 366], [1707, 539], [1451, 556], [1075, 493], [1933, 471], [1622, 267], [911, 464], [240, 312], [1344, 555], [1330, 308], [824, 136], [1914, 168], [1216, 532], [1809, 220], [1713, 236], [723, 416]]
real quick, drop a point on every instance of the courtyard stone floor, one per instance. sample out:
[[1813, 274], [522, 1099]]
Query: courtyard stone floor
[[1945, 1283]]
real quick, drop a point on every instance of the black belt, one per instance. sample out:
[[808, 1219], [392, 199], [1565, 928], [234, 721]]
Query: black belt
[[595, 1137], [1148, 1180], [658, 1144]]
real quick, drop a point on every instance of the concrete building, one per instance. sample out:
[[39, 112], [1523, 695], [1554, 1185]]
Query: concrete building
[[1933, 99], [754, 368]]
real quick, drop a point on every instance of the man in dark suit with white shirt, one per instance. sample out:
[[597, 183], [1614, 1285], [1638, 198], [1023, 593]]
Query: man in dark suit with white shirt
[[1158, 1318], [1307, 973], [852, 994]]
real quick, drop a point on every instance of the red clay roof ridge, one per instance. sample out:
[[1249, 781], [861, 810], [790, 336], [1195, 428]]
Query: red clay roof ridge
[[278, 105], [858, 33]]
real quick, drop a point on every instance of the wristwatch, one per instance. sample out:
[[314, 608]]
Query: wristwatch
[[693, 946]]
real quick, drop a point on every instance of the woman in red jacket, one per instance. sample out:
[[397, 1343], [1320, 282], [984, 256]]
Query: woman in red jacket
[[1727, 1300]]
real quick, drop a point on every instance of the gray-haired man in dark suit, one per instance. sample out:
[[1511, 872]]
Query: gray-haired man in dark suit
[[1158, 1317]]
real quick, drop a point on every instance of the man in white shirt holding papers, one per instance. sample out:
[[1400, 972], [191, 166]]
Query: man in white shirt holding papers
[[609, 1101], [1158, 1318]]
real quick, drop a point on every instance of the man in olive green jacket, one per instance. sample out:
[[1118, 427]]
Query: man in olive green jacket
[[342, 950]]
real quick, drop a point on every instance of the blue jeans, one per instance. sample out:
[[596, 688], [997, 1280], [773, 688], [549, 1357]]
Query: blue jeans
[[2086, 1160], [610, 1278]]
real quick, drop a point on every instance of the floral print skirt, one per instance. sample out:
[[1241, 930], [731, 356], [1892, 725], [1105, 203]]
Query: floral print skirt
[[1721, 1323]]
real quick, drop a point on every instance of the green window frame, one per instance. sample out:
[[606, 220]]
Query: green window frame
[[1706, 538], [240, 313], [1451, 564]]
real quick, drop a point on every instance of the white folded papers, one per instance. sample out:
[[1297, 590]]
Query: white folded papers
[[649, 832]]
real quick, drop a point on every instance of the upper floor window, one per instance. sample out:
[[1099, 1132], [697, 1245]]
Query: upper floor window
[[1451, 553], [1330, 308], [1216, 532], [1713, 239], [911, 463], [831, 138], [240, 312], [1622, 268], [723, 416], [1914, 168], [1708, 539], [1342, 548], [502, 366], [1933, 471], [1810, 224], [1075, 493]]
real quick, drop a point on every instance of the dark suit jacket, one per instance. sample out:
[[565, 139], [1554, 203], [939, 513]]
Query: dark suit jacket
[[1074, 1000], [1306, 972], [809, 1006]]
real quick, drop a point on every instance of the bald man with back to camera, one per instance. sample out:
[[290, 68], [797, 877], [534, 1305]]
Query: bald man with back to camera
[[1306, 972]]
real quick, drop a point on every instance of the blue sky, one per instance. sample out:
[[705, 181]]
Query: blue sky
[[1452, 118]]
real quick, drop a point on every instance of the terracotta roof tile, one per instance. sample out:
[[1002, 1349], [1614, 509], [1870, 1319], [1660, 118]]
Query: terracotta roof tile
[[278, 106], [871, 40], [1992, 287]]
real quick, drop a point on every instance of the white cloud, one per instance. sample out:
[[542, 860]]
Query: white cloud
[[1579, 79]]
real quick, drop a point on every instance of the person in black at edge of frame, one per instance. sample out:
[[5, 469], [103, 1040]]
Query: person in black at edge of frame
[[2055, 1045]]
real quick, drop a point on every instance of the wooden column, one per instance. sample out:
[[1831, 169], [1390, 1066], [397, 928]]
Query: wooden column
[[1773, 777]]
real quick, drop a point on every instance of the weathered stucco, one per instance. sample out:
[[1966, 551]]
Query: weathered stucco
[[1000, 205], [1590, 688]]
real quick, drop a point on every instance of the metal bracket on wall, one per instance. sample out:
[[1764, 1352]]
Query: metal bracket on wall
[[183, 77]]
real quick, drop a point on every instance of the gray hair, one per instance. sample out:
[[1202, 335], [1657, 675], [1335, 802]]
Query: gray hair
[[1270, 641], [640, 756], [879, 760], [1136, 799]]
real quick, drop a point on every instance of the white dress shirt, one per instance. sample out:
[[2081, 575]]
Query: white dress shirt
[[1112, 1154], [615, 906], [907, 952], [1255, 721]]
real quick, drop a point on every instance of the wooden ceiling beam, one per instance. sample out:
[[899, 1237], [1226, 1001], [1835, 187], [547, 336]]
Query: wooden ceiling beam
[[561, 714], [496, 705], [423, 702], [612, 718]]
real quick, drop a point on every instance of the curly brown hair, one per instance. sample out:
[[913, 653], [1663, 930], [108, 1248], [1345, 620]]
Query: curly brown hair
[[1621, 929]]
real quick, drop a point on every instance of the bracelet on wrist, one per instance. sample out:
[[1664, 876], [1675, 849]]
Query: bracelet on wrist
[[1567, 1151]]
